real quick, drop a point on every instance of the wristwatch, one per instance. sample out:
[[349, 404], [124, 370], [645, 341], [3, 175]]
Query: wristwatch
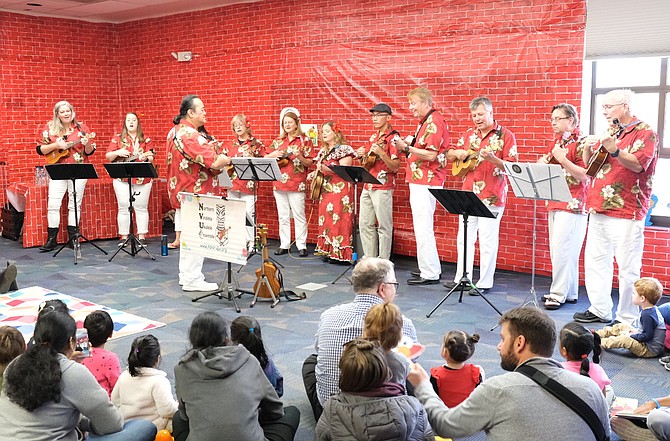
[[615, 153]]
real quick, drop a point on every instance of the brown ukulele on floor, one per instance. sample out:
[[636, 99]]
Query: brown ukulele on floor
[[267, 271]]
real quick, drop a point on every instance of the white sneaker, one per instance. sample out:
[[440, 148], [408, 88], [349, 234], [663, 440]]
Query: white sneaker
[[200, 285]]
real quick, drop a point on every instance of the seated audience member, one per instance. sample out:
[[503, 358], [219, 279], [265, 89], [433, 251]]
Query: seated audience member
[[47, 396], [646, 341], [658, 422], [383, 323], [455, 380], [223, 392], [512, 406], [12, 345], [664, 309], [246, 331], [374, 282], [143, 391], [370, 406], [8, 278], [576, 343], [103, 364]]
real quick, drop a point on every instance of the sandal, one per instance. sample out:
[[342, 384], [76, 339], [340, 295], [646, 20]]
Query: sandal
[[173, 245], [551, 303]]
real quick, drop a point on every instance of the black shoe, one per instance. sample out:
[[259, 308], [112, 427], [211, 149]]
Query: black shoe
[[450, 284], [588, 317], [302, 253], [472, 292], [143, 243], [7, 278], [422, 281], [417, 274], [281, 251]]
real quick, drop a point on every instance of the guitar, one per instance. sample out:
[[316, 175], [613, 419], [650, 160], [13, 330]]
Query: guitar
[[268, 271], [55, 156], [370, 159], [599, 157], [461, 168], [132, 158]]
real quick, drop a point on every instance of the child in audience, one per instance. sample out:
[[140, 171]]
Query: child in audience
[[12, 345], [383, 323], [246, 331], [646, 341], [103, 364], [455, 380], [143, 391], [46, 307], [369, 406], [576, 343]]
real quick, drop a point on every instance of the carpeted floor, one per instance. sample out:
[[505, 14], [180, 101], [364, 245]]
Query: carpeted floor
[[149, 289]]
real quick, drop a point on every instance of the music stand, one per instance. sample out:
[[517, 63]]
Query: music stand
[[537, 181], [353, 174], [257, 169], [466, 204], [72, 172], [128, 171]]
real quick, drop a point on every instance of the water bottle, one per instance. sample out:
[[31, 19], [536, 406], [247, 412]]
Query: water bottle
[[164, 247], [39, 173]]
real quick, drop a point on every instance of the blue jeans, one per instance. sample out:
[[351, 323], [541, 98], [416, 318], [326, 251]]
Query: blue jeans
[[133, 430]]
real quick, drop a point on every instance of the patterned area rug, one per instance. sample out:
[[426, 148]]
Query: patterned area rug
[[19, 309]]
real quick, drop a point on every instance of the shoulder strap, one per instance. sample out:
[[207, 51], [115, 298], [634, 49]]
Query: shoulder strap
[[567, 397]]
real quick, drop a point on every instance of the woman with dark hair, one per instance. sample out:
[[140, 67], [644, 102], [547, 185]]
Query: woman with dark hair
[[223, 392], [47, 396], [369, 406], [336, 204], [132, 146]]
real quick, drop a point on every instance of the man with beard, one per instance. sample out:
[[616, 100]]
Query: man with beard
[[513, 406]]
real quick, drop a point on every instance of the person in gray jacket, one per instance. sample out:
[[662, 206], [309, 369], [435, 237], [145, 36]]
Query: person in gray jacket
[[512, 406], [223, 392], [369, 406]]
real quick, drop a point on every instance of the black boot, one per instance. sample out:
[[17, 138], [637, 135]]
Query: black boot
[[51, 240], [71, 231]]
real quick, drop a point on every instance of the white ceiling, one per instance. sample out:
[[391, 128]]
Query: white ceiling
[[110, 11]]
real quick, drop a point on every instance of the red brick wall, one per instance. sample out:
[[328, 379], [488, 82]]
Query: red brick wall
[[332, 60]]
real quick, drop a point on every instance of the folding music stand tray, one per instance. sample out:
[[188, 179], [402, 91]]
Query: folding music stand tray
[[256, 169], [353, 174], [537, 181], [72, 172], [467, 204], [128, 171]]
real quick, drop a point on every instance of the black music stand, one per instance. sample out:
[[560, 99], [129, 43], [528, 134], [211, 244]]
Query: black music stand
[[353, 174], [256, 169], [466, 204], [72, 172], [128, 171]]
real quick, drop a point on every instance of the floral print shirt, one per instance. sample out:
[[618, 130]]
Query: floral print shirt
[[487, 181], [250, 148], [619, 192], [380, 170], [294, 173], [432, 135], [76, 153], [134, 147], [571, 141]]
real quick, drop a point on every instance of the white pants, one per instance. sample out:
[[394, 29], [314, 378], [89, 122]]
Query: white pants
[[291, 203], [140, 204], [488, 231], [566, 237], [57, 191], [177, 220], [610, 238], [250, 204], [422, 204], [376, 207], [190, 267]]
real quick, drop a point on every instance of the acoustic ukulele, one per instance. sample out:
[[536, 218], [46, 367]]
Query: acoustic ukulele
[[370, 159], [55, 156], [132, 158], [461, 168], [599, 157], [267, 272]]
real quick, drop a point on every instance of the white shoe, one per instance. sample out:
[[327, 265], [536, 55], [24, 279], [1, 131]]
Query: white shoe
[[200, 285]]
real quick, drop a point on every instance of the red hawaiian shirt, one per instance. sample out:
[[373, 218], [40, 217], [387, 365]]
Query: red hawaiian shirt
[[74, 154], [135, 149], [487, 181], [379, 170], [619, 192], [250, 148], [432, 135], [293, 174], [577, 188]]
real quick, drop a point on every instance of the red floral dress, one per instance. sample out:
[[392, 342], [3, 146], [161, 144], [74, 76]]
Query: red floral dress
[[293, 174], [577, 188], [619, 192], [190, 158], [250, 148], [336, 208], [487, 181], [76, 153], [135, 149], [433, 135]]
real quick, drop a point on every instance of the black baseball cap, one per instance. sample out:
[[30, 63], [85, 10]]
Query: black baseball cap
[[382, 108]]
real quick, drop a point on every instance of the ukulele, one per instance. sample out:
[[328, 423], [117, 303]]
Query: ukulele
[[55, 156], [267, 272], [599, 157], [132, 158], [316, 187], [370, 159], [461, 168]]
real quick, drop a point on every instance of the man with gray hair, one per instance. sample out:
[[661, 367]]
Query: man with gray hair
[[618, 202], [374, 282], [485, 147]]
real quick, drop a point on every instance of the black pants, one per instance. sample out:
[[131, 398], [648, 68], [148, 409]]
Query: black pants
[[309, 380]]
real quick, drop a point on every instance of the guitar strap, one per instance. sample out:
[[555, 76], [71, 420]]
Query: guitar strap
[[423, 121]]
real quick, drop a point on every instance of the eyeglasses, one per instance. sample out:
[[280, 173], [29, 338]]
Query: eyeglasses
[[379, 115], [395, 284], [609, 106], [558, 119]]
